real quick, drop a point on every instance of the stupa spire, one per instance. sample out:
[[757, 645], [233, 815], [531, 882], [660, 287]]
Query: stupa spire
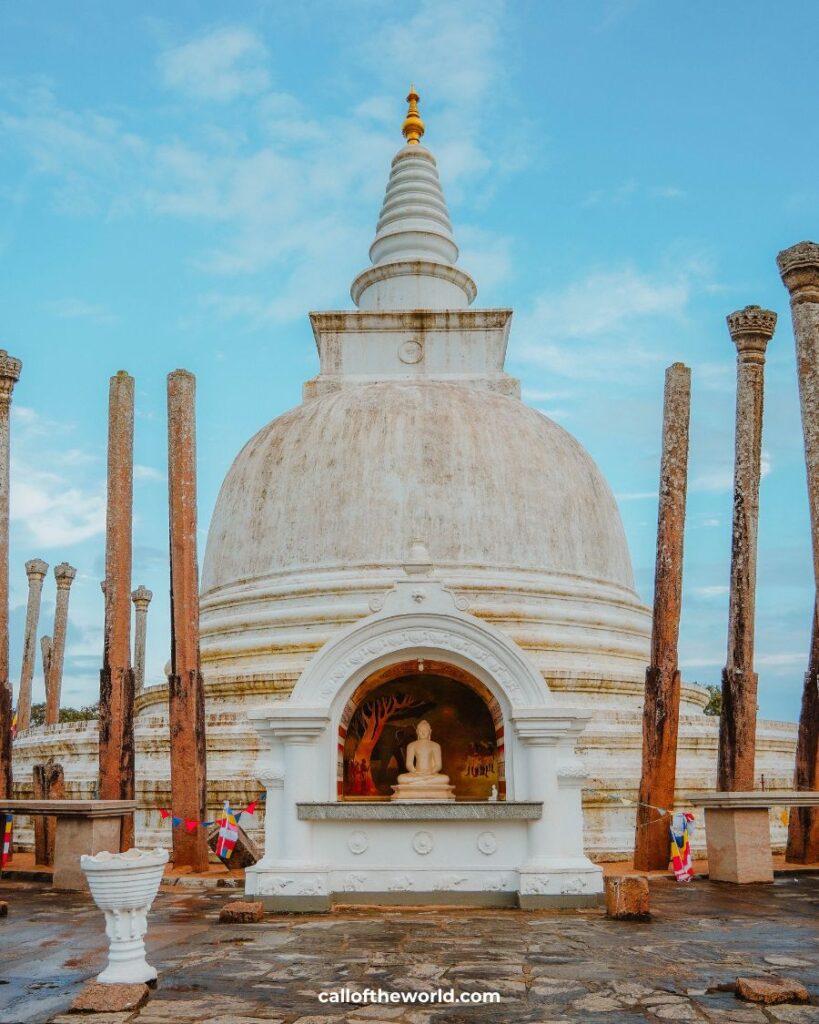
[[414, 252], [413, 127]]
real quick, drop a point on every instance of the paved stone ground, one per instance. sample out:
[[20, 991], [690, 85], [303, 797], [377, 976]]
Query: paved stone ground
[[570, 966]]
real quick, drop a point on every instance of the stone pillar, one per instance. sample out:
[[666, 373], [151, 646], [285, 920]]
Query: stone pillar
[[141, 598], [751, 329], [661, 711], [799, 267], [9, 375], [64, 575], [185, 688], [116, 725], [49, 784], [35, 570]]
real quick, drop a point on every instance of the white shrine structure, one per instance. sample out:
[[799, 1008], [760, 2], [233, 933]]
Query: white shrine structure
[[414, 490], [413, 542]]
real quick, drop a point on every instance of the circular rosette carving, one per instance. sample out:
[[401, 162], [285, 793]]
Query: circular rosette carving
[[358, 842], [487, 843], [410, 351], [422, 843]]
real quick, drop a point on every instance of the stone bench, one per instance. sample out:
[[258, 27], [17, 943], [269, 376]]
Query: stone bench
[[738, 831], [83, 826]]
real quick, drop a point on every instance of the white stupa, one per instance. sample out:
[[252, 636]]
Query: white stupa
[[413, 523]]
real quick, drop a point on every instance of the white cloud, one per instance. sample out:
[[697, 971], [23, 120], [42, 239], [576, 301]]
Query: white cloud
[[717, 590], [282, 190], [55, 502], [637, 496], [619, 195], [87, 153], [77, 309], [720, 478], [586, 330], [53, 512], [147, 473], [220, 65]]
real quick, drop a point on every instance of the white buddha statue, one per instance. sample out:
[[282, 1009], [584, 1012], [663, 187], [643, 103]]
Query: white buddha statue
[[423, 779]]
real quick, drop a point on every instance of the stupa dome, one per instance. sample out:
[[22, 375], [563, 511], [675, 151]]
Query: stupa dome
[[350, 479], [413, 431]]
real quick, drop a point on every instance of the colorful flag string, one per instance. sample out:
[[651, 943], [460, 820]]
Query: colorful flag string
[[190, 824]]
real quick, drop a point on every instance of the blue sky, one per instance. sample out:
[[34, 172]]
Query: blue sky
[[180, 183]]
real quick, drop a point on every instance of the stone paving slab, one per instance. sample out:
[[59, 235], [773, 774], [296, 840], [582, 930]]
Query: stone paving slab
[[571, 966]]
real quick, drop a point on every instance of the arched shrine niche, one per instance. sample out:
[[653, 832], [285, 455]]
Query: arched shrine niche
[[379, 722]]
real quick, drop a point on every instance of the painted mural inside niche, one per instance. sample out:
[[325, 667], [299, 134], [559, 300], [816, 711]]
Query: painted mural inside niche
[[383, 725]]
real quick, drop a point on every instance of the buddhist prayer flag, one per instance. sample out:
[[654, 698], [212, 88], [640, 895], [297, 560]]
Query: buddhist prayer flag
[[14, 725], [251, 808], [6, 840], [164, 814], [190, 824], [682, 828], [228, 834], [176, 821]]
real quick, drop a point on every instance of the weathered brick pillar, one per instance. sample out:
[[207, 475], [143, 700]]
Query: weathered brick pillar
[[35, 570], [799, 267], [9, 375], [661, 711], [185, 688], [141, 598], [751, 330], [116, 724], [64, 575]]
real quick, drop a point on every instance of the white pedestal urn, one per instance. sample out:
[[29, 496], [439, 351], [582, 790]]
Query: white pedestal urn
[[124, 886]]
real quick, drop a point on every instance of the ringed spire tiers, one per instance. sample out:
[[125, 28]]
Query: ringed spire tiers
[[414, 251]]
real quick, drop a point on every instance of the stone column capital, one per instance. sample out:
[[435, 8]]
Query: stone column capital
[[36, 569], [799, 269], [9, 375], [142, 597], [64, 575], [751, 329]]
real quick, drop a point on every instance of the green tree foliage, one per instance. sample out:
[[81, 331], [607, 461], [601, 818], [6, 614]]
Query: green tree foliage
[[714, 705], [83, 714]]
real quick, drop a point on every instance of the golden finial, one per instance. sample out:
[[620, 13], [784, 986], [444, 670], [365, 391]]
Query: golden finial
[[413, 127]]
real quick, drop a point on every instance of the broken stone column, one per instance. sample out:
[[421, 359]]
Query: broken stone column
[[141, 598], [751, 329], [116, 725], [9, 375], [64, 575], [49, 784], [185, 688], [35, 570], [661, 711], [799, 267]]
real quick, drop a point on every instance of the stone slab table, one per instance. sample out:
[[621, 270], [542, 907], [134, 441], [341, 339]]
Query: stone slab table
[[83, 826], [738, 831]]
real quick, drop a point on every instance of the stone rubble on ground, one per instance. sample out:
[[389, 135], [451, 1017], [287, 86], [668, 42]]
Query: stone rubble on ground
[[241, 912], [772, 990]]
